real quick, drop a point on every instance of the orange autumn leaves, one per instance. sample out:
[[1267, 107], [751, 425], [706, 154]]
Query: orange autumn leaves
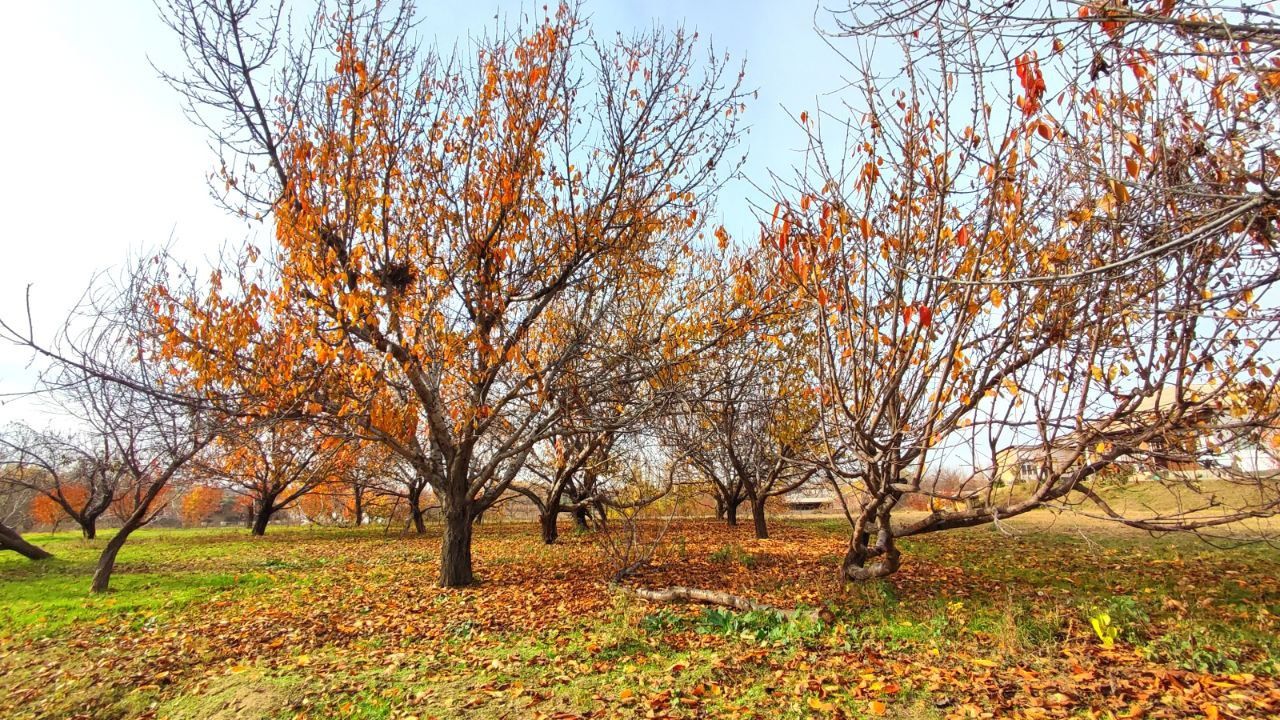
[[200, 503], [435, 229], [46, 511]]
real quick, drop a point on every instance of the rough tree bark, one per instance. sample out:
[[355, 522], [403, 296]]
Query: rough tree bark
[[10, 539], [455, 547], [761, 526], [550, 529]]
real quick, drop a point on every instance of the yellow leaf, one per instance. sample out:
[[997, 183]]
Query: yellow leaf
[[821, 706], [876, 707]]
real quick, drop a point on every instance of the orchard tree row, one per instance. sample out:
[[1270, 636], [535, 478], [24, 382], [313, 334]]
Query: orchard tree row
[[498, 274]]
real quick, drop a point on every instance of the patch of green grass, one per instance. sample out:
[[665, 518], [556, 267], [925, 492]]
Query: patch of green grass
[[733, 553], [1206, 650], [156, 573], [54, 600], [761, 626]]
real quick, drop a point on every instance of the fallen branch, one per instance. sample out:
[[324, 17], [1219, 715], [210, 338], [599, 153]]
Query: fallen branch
[[679, 593], [711, 597]]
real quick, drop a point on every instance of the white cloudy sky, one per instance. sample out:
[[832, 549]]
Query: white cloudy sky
[[100, 163]]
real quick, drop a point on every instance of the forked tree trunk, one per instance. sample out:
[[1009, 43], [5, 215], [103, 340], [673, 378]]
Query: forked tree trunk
[[107, 561], [89, 528], [10, 539], [758, 519], [455, 547], [550, 530]]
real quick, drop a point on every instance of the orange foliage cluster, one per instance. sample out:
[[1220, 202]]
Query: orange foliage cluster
[[47, 511], [328, 505], [200, 503]]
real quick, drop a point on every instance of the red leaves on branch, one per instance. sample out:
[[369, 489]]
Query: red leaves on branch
[[1027, 67]]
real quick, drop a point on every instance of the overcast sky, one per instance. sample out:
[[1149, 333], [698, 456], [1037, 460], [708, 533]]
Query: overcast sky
[[100, 163]]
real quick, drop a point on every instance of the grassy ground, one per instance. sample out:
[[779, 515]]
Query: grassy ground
[[328, 623]]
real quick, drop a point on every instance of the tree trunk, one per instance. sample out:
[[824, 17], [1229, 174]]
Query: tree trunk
[[731, 514], [415, 511], [757, 519], [455, 548], [550, 531], [357, 508], [719, 508], [580, 519], [89, 528], [262, 517], [107, 561], [10, 539]]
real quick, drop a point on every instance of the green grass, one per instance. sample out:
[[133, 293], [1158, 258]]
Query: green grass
[[157, 572]]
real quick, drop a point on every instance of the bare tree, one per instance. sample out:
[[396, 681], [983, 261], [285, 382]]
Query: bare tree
[[76, 471], [998, 255], [748, 414], [105, 364]]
